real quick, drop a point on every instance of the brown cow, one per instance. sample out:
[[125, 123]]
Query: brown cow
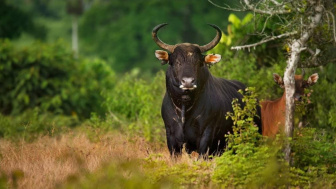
[[273, 112]]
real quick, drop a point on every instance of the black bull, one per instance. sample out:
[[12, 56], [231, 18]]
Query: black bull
[[195, 105]]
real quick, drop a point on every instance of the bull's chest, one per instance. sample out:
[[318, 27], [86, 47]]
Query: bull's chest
[[192, 128]]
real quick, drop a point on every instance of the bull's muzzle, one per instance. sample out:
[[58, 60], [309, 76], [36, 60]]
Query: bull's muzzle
[[188, 83]]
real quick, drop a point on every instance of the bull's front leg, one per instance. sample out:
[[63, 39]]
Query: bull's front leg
[[205, 143], [175, 138], [174, 130]]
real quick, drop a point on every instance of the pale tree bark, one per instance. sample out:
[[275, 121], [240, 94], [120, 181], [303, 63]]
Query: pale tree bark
[[75, 46], [75, 8], [297, 46]]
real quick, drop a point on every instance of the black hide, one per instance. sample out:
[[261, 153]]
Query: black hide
[[206, 107]]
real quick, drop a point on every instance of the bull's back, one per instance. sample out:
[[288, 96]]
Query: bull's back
[[236, 86]]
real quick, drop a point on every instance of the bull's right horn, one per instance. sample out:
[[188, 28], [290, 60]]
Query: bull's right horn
[[214, 42], [161, 44]]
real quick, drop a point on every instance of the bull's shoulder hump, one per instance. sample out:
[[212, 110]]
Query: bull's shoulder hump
[[234, 84]]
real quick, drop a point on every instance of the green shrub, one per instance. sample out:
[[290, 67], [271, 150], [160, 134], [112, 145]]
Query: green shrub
[[321, 113], [248, 161], [140, 102], [32, 123], [124, 174], [314, 148], [48, 77], [251, 162], [189, 173]]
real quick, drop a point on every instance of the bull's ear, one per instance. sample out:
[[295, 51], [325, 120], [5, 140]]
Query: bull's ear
[[278, 79], [212, 58], [312, 80], [162, 55]]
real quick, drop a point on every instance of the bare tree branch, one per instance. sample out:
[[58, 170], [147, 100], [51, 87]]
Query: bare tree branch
[[249, 7], [264, 41], [227, 7], [270, 12], [276, 2], [333, 23]]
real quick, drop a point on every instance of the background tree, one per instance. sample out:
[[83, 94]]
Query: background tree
[[309, 30], [119, 31], [15, 21], [75, 8]]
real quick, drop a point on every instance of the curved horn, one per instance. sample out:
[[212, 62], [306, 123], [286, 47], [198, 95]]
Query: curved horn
[[303, 72], [161, 44], [214, 42]]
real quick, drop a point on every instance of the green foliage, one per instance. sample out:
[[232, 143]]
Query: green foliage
[[251, 162], [314, 148], [14, 22], [48, 77], [321, 113], [33, 123], [254, 68], [121, 31], [244, 130], [125, 174], [140, 102], [3, 179], [313, 159], [247, 161], [188, 174]]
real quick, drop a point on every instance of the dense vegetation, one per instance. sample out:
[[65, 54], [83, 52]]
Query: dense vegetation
[[46, 91]]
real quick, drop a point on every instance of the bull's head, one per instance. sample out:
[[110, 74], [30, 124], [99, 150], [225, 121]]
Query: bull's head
[[300, 83], [186, 59]]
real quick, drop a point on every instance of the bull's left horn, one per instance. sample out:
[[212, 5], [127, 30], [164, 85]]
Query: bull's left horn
[[161, 44], [214, 42]]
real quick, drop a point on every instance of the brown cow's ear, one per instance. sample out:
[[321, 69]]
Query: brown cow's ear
[[312, 79], [278, 79], [162, 55], [212, 58]]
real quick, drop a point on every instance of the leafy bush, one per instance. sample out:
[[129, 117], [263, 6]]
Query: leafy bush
[[32, 123], [314, 148], [140, 102], [187, 173], [321, 112], [251, 162], [48, 77], [313, 159], [247, 161]]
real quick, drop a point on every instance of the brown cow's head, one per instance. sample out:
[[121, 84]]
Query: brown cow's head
[[186, 59], [300, 83]]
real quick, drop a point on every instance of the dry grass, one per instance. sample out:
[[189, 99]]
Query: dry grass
[[50, 161]]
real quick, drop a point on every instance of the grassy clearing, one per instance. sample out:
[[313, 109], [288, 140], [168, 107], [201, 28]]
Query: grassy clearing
[[48, 162]]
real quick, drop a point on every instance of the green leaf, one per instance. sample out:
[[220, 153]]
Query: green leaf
[[234, 20], [247, 18]]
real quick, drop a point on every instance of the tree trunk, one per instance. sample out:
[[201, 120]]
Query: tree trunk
[[75, 36], [296, 47]]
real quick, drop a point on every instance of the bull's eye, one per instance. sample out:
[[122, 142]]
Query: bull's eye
[[178, 63]]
